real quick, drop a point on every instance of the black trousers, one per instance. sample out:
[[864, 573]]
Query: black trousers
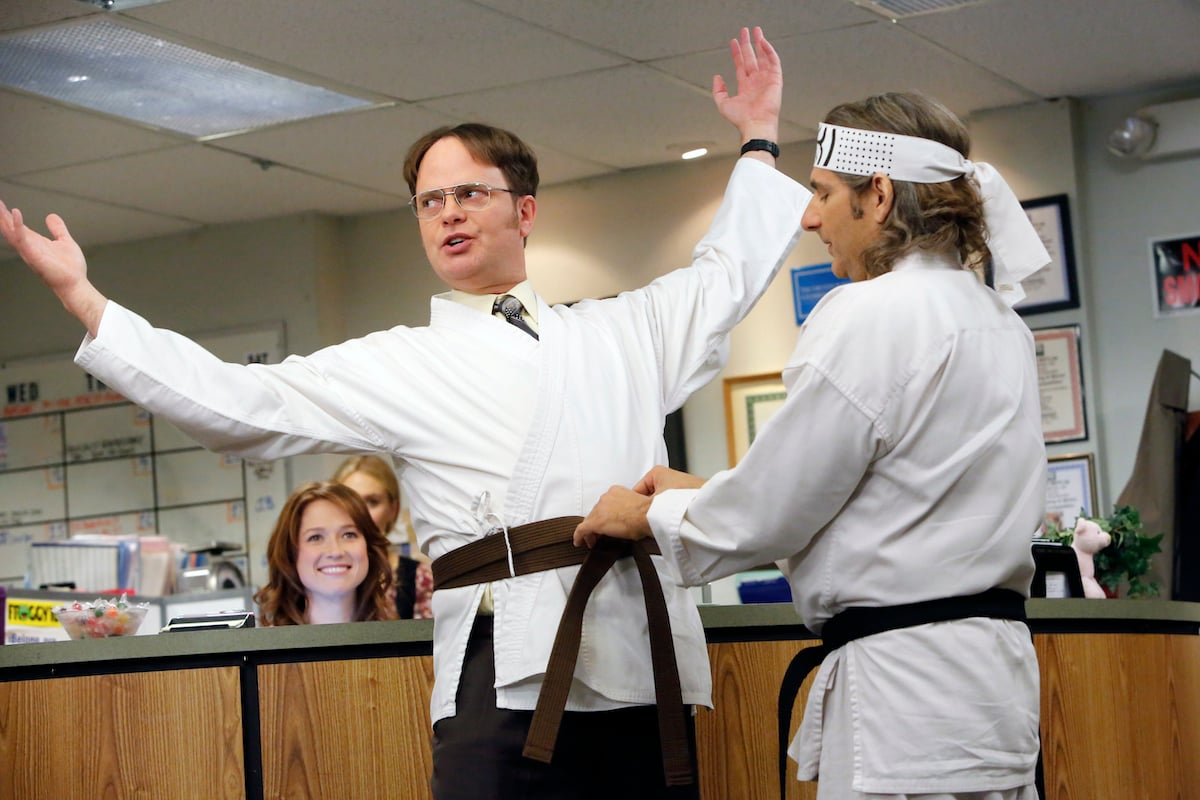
[[600, 755]]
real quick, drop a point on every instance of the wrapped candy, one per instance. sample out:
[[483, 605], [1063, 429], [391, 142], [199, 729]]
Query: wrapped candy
[[102, 618]]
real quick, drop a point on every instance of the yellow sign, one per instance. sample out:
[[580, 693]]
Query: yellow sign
[[32, 612]]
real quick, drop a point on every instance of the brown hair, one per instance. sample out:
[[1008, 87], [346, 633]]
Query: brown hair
[[283, 600], [378, 469], [924, 216], [487, 145]]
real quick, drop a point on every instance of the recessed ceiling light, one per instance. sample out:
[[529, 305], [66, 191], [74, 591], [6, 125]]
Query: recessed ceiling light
[[100, 64], [688, 150]]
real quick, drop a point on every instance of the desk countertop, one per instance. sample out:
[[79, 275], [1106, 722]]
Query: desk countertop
[[414, 637]]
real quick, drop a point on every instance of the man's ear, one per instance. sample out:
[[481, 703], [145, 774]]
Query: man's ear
[[526, 211], [882, 194]]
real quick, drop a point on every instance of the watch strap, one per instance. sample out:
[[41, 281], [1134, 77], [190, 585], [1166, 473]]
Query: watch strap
[[766, 145]]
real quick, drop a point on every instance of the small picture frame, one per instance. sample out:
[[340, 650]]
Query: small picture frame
[[1054, 286], [1060, 383], [1175, 271], [750, 400], [1070, 489]]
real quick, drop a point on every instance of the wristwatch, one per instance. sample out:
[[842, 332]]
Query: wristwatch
[[766, 145]]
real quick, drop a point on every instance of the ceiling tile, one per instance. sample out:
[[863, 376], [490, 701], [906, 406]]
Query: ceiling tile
[[15, 15], [812, 86], [91, 222], [1075, 47], [595, 112], [367, 151], [408, 51], [651, 29], [555, 167], [39, 135], [370, 152], [209, 186]]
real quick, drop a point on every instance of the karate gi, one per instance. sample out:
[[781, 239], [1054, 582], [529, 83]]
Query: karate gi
[[470, 406], [907, 464]]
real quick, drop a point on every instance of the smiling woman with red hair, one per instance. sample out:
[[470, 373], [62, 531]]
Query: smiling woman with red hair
[[327, 561]]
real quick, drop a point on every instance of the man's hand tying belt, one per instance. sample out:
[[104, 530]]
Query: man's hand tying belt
[[621, 513]]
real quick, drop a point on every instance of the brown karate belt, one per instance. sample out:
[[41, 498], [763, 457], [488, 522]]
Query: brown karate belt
[[539, 546]]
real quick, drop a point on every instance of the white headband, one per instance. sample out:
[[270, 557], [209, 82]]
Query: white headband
[[1017, 250]]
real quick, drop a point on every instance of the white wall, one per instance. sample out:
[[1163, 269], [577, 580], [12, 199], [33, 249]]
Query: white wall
[[216, 278]]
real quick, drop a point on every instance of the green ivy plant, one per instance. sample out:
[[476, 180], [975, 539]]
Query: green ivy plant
[[1127, 557]]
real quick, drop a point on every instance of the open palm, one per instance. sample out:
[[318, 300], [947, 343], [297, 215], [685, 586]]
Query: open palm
[[58, 260], [759, 77]]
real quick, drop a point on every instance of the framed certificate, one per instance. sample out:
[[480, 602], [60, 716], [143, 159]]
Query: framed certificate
[[1053, 287], [1070, 489], [1060, 382], [750, 401]]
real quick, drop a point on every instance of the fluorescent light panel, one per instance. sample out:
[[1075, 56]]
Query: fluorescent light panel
[[119, 5], [104, 66], [899, 9]]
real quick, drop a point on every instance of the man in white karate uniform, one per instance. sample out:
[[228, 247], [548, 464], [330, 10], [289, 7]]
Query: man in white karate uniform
[[494, 425], [900, 483]]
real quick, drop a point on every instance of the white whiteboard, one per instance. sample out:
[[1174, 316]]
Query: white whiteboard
[[76, 457]]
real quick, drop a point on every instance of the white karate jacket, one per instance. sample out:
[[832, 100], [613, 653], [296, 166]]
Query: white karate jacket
[[470, 405], [906, 464]]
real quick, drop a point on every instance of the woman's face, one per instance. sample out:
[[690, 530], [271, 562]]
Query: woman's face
[[383, 510], [331, 554]]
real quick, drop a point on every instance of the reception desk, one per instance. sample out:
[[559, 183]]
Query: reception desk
[[342, 711]]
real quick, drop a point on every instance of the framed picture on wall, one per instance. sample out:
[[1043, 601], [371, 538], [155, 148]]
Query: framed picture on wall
[[1060, 382], [1175, 270], [1053, 287], [1070, 489], [750, 400]]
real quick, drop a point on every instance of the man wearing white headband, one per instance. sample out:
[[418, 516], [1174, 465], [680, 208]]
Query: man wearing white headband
[[899, 484]]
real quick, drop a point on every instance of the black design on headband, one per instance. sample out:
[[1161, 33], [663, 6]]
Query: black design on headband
[[832, 133]]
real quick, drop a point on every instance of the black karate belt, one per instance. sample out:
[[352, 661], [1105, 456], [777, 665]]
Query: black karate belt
[[548, 544], [860, 621]]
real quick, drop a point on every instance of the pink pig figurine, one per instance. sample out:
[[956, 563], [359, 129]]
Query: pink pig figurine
[[1089, 540]]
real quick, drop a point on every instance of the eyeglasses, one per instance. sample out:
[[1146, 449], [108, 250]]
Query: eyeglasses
[[470, 196]]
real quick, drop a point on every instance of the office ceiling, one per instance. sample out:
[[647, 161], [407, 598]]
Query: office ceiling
[[597, 86]]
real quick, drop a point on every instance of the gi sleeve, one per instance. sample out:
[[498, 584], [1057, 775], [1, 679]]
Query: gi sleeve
[[685, 316], [801, 469], [258, 411]]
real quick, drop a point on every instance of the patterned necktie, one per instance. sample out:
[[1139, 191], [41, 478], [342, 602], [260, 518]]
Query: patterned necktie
[[511, 308]]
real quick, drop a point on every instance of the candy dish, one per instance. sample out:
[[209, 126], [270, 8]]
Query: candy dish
[[101, 619]]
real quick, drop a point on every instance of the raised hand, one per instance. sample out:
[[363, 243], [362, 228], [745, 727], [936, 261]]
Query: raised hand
[[58, 261], [754, 110]]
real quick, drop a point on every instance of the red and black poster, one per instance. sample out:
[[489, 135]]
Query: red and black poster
[[1176, 264]]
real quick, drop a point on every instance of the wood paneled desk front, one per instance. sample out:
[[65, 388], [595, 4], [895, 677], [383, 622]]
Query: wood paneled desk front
[[343, 711]]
